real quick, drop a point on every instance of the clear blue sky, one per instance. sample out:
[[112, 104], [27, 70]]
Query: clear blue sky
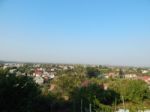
[[114, 32]]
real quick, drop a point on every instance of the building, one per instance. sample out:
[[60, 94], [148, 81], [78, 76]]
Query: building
[[130, 76], [39, 80], [145, 79]]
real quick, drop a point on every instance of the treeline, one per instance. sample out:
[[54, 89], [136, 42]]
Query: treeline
[[73, 91]]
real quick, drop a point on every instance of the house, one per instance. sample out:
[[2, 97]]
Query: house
[[71, 67], [18, 73], [39, 80], [38, 72], [111, 74], [144, 71], [52, 75], [45, 73], [52, 70], [12, 71], [5, 67], [106, 76], [65, 68], [130, 76], [145, 79]]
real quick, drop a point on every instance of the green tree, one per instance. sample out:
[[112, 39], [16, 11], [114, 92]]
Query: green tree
[[95, 95], [131, 90], [4, 71], [17, 94], [93, 72], [65, 84], [121, 73]]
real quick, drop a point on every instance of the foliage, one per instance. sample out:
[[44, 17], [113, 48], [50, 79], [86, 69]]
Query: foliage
[[121, 73], [95, 95], [132, 90], [93, 72], [17, 94], [25, 69], [4, 71], [66, 84], [21, 94]]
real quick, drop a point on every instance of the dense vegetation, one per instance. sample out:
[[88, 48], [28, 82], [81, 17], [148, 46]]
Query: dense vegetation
[[73, 91]]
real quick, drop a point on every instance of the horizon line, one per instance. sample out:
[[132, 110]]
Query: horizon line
[[69, 63]]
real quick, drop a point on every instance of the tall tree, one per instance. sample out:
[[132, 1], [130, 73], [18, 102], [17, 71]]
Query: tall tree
[[17, 94]]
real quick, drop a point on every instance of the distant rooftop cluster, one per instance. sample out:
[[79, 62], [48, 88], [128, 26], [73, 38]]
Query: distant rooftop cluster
[[42, 73]]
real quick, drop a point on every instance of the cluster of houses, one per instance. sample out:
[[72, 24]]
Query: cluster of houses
[[11, 65], [43, 74], [40, 74], [133, 76]]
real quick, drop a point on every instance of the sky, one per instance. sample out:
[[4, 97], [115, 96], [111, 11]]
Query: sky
[[107, 32]]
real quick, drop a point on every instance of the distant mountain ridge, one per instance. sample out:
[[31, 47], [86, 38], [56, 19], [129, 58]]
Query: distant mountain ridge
[[2, 62], [21, 62]]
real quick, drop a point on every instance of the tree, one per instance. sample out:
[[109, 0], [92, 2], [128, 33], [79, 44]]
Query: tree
[[4, 71], [131, 90], [93, 72], [121, 73], [139, 71], [17, 94], [65, 84], [95, 95]]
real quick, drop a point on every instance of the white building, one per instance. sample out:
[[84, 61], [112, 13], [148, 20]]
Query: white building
[[130, 76], [12, 71], [52, 75], [65, 68], [39, 80], [144, 71]]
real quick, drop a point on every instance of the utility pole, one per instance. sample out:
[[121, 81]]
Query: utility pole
[[115, 104], [90, 107], [50, 107], [81, 105], [74, 106], [123, 103]]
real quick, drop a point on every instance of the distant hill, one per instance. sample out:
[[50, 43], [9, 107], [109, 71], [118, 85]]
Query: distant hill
[[1, 62]]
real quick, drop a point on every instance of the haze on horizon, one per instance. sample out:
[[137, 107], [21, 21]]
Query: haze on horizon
[[76, 31]]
